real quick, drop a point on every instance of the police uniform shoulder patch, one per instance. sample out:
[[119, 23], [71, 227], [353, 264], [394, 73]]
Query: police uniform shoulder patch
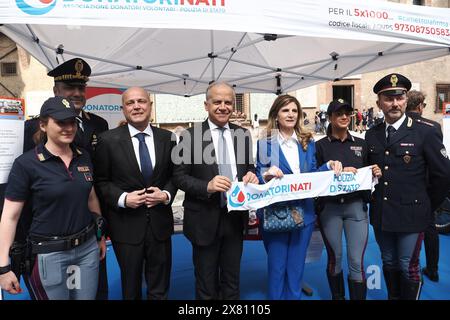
[[444, 153]]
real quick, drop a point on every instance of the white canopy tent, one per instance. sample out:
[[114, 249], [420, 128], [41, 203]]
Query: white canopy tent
[[180, 46]]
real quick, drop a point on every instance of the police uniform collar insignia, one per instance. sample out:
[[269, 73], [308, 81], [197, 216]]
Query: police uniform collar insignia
[[42, 153], [444, 153], [410, 122], [78, 151], [394, 80]]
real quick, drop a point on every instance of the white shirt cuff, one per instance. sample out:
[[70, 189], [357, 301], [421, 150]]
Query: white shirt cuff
[[168, 197], [121, 201]]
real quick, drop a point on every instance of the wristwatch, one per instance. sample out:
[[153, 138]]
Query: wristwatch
[[5, 269]]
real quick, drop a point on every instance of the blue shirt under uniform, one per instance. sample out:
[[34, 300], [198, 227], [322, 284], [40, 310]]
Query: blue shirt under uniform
[[59, 195]]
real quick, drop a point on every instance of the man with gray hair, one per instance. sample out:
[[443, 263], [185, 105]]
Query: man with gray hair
[[214, 154]]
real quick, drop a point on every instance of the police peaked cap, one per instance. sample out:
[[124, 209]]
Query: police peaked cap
[[393, 84], [74, 71]]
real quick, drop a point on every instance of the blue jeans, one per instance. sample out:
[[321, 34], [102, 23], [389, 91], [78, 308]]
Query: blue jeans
[[67, 275]]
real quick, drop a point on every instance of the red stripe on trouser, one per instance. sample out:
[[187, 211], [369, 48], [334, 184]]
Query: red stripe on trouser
[[35, 282], [413, 268], [331, 264], [363, 273]]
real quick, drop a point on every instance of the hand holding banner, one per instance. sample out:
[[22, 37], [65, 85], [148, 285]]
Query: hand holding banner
[[297, 186]]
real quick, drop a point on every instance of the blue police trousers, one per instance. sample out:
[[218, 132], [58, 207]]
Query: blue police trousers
[[66, 275], [400, 251]]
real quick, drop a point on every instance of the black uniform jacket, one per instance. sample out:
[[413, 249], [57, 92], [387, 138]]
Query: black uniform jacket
[[201, 209], [403, 201], [116, 170], [423, 120]]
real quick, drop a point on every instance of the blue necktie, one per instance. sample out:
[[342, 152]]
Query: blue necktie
[[146, 161], [390, 130]]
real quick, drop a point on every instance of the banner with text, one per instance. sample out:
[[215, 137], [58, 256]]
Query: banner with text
[[298, 186], [365, 20]]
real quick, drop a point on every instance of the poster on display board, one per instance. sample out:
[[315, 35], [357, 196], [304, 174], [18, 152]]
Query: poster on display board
[[106, 103], [12, 115]]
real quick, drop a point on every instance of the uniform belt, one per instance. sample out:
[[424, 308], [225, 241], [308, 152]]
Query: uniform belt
[[346, 198], [43, 244]]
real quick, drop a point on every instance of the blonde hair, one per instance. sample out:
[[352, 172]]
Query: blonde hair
[[304, 136]]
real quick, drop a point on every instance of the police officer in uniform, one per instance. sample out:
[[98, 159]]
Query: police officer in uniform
[[410, 154], [57, 176], [414, 109], [347, 212], [70, 82]]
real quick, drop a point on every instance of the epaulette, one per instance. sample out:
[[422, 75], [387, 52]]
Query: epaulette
[[425, 122]]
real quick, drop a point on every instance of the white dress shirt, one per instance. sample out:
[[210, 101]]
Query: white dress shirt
[[151, 150], [289, 147], [396, 124], [229, 141]]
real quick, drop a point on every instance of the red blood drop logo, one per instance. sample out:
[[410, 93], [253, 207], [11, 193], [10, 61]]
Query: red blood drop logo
[[46, 1], [241, 197]]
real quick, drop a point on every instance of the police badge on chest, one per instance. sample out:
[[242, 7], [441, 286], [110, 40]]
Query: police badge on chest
[[357, 150]]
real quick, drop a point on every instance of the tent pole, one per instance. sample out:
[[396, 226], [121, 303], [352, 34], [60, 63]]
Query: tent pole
[[37, 41], [211, 56], [233, 51], [201, 76]]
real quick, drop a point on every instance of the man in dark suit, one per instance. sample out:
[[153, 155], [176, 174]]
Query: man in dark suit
[[70, 79], [213, 154], [414, 109], [415, 181], [133, 171]]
